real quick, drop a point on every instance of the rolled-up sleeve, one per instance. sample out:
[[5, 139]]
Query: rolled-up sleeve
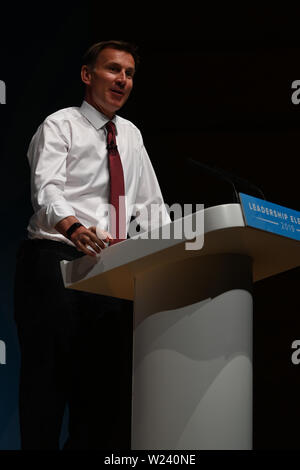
[[149, 200], [47, 156]]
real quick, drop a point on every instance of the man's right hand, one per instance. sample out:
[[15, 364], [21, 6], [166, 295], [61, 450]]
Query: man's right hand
[[83, 238]]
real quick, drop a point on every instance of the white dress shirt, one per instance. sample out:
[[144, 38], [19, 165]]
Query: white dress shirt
[[70, 174]]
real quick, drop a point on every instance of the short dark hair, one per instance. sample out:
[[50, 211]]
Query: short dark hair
[[91, 55]]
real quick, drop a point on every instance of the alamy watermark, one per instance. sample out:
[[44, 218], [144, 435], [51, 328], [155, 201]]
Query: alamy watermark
[[296, 94], [2, 352], [2, 92], [153, 222], [295, 358]]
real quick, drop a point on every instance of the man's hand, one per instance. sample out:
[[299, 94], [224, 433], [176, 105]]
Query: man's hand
[[87, 237], [84, 237]]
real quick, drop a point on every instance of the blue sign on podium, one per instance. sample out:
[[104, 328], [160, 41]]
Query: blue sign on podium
[[264, 215]]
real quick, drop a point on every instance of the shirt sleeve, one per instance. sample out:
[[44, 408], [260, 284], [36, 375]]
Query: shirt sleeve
[[149, 204], [47, 155]]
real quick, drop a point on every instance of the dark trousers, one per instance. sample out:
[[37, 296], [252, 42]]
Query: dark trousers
[[76, 349]]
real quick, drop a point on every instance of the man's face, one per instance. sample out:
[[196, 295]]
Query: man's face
[[110, 82]]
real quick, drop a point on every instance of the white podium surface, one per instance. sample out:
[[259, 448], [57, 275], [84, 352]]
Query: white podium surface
[[192, 367]]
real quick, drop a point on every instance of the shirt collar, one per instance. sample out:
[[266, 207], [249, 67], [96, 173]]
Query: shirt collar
[[97, 119]]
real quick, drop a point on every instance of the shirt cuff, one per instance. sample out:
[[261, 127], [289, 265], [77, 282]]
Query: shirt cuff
[[58, 210]]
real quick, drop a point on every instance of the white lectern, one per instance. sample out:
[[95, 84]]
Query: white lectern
[[192, 367]]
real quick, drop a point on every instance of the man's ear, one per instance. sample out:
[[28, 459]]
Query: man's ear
[[86, 74]]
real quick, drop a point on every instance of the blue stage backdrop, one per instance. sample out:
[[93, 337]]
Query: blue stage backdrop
[[10, 362]]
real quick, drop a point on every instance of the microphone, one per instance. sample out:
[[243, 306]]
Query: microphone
[[234, 180]]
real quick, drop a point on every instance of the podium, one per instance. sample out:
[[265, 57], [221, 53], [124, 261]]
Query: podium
[[192, 357]]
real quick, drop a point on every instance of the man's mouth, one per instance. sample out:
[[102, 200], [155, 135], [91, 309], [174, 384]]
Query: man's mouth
[[118, 92]]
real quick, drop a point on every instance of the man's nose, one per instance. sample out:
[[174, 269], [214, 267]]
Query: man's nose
[[121, 79]]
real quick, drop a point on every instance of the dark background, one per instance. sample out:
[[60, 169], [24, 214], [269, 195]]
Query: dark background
[[212, 85]]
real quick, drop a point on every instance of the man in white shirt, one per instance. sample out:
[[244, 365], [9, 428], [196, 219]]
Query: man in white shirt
[[76, 347]]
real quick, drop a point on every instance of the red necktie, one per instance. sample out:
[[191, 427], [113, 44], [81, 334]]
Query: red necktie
[[117, 187]]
